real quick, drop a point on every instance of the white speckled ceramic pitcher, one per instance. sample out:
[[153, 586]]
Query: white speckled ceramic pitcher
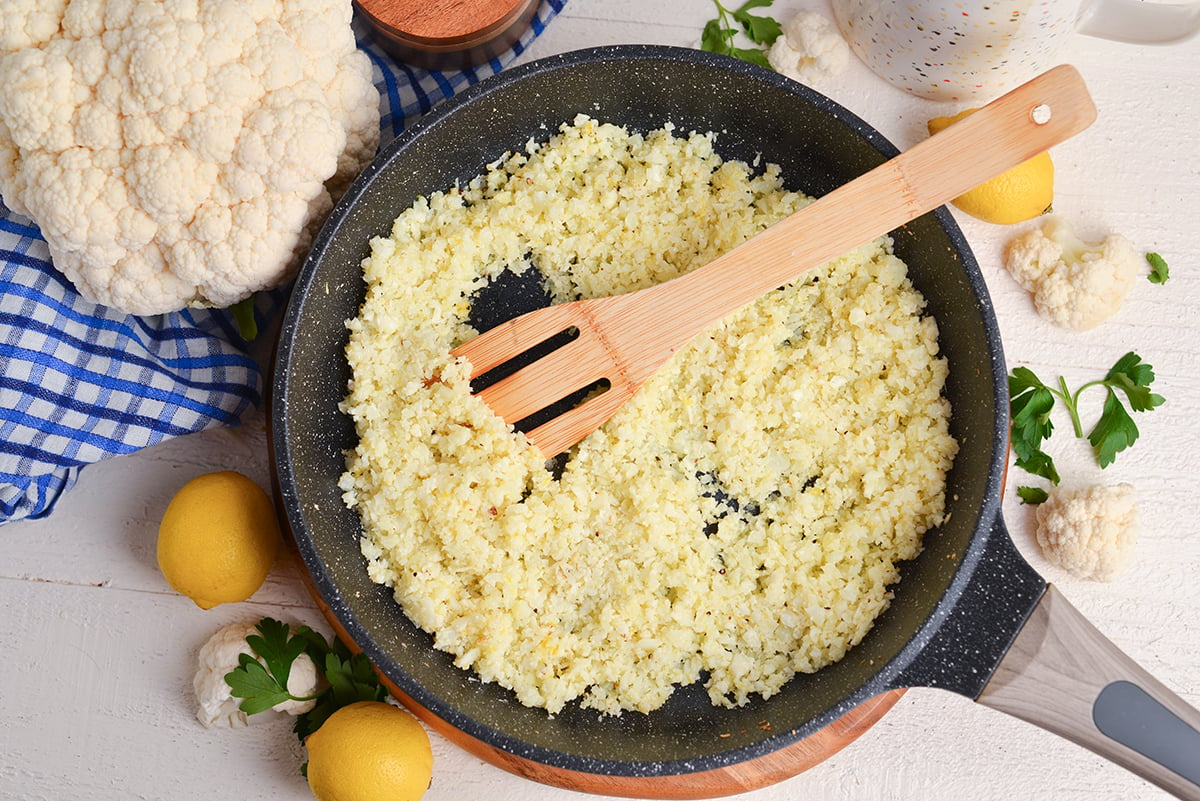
[[956, 50]]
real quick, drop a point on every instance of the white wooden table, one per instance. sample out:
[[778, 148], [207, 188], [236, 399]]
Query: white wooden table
[[98, 653]]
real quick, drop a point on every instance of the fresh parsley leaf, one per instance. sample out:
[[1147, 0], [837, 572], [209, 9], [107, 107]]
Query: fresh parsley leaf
[[751, 55], [1032, 496], [316, 646], [351, 679], [1114, 431], [1021, 379], [1031, 417], [716, 38], [1031, 403], [761, 30], [1132, 365], [720, 33], [1039, 463], [277, 648], [1133, 377], [1159, 272], [262, 686], [251, 682]]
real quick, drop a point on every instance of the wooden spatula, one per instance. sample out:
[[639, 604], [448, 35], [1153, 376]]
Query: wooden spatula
[[625, 338]]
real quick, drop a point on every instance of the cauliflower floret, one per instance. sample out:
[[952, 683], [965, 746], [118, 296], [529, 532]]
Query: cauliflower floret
[[810, 49], [218, 656], [167, 111], [1090, 532], [28, 22], [1075, 284]]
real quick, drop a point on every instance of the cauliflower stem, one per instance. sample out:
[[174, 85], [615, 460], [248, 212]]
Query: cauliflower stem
[[243, 314]]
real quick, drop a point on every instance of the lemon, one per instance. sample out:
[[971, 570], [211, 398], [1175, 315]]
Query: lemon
[[218, 539], [1022, 193], [369, 751]]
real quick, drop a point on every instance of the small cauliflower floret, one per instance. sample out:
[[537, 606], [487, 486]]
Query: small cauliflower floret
[[1075, 284], [810, 49], [1089, 532], [218, 656], [180, 107]]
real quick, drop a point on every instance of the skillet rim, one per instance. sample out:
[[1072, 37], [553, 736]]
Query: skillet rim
[[890, 676]]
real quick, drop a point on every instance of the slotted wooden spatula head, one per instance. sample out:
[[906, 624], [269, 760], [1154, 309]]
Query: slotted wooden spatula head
[[622, 340]]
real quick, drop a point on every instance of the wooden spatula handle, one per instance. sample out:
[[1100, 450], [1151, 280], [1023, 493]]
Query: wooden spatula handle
[[626, 338], [1001, 135]]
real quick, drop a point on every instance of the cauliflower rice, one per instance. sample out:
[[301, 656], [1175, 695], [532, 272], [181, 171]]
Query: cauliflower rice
[[736, 522]]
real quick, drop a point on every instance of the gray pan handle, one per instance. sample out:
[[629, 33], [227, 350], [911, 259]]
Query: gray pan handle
[[1063, 675]]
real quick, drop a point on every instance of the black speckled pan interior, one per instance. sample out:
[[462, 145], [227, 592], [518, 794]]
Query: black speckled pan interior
[[958, 605]]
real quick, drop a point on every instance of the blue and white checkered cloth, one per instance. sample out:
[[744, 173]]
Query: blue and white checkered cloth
[[80, 382]]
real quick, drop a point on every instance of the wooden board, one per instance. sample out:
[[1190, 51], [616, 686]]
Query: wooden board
[[740, 778], [447, 34]]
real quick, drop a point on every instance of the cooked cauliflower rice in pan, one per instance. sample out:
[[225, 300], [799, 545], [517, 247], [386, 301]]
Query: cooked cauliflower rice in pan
[[738, 521]]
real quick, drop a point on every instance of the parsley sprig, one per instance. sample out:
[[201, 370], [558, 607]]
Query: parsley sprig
[[1032, 402], [721, 33], [350, 677]]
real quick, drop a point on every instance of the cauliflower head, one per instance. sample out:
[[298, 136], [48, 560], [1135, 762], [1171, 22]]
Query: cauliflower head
[[1075, 284], [1090, 531], [180, 152], [218, 656], [810, 49]]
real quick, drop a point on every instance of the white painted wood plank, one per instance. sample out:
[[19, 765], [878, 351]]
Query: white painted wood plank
[[95, 682]]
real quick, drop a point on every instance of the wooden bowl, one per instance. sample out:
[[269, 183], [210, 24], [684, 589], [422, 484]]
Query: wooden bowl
[[447, 34]]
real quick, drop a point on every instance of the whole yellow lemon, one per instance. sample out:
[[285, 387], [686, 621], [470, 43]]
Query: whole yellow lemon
[[218, 539], [369, 751], [1022, 193]]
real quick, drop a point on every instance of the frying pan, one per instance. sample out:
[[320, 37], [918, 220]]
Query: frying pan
[[969, 614]]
